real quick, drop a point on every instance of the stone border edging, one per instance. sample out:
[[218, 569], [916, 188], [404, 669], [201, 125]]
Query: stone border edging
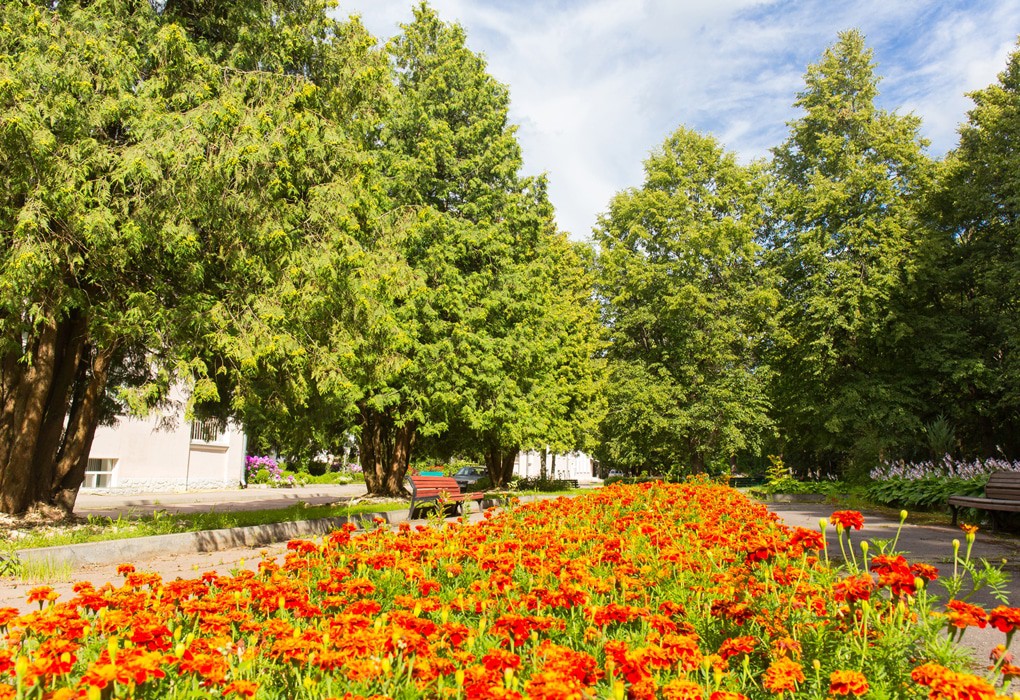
[[127, 550]]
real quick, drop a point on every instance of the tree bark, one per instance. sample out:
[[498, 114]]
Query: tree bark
[[23, 425], [499, 462], [70, 374], [385, 452], [83, 419], [49, 410]]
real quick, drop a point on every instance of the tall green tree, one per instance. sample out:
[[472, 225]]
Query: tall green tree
[[452, 160], [974, 309], [160, 163], [843, 239], [686, 306]]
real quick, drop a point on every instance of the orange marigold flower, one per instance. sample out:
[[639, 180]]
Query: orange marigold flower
[[1003, 618], [783, 675], [962, 615], [1008, 670], [1000, 653], [895, 573], [726, 695], [946, 684], [969, 529], [241, 687], [807, 539], [848, 519], [787, 646], [848, 683], [924, 571], [500, 659], [682, 689], [853, 588], [734, 646], [40, 593]]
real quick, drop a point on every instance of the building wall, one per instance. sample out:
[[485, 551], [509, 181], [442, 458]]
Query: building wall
[[160, 454], [575, 465]]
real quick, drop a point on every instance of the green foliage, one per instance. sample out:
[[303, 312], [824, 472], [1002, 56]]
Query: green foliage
[[165, 187], [972, 349], [537, 483], [843, 238], [778, 478], [925, 493], [686, 308]]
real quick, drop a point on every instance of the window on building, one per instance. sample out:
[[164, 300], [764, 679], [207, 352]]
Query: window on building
[[208, 430], [99, 473]]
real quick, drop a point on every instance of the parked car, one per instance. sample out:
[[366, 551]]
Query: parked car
[[613, 473], [466, 476]]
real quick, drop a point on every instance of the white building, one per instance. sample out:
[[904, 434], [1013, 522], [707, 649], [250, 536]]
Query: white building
[[158, 454], [576, 465]]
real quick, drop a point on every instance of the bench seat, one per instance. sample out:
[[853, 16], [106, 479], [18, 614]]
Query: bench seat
[[1002, 494], [438, 491]]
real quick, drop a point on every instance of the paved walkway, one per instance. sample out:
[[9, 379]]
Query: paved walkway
[[928, 544]]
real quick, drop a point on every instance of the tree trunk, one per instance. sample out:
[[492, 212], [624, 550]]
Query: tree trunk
[[73, 457], [25, 411], [543, 475], [385, 452], [499, 461], [49, 410]]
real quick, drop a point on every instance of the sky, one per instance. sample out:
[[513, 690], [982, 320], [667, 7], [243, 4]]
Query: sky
[[596, 85]]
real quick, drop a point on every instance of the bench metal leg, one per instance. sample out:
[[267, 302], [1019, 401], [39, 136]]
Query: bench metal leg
[[956, 513]]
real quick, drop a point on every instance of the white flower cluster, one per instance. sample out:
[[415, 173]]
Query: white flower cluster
[[945, 467]]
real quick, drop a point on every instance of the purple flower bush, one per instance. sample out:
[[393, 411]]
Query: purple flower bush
[[264, 470]]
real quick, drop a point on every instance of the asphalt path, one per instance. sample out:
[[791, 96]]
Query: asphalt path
[[927, 544]]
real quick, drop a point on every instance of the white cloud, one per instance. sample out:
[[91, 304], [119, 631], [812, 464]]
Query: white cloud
[[596, 84]]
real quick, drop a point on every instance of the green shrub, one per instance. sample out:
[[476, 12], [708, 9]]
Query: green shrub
[[540, 484], [924, 493]]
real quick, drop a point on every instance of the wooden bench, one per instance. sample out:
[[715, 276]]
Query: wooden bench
[[1002, 493], [441, 491]]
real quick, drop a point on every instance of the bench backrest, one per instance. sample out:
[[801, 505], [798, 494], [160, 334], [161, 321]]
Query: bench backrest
[[433, 486], [1003, 485]]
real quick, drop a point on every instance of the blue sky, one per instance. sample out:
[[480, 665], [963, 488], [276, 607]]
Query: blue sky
[[596, 85]]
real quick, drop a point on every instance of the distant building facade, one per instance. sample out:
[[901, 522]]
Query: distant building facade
[[165, 453], [575, 465]]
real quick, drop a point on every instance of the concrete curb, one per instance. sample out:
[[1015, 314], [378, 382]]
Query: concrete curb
[[139, 548]]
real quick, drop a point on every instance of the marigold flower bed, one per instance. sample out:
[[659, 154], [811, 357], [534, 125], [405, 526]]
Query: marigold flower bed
[[652, 591]]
